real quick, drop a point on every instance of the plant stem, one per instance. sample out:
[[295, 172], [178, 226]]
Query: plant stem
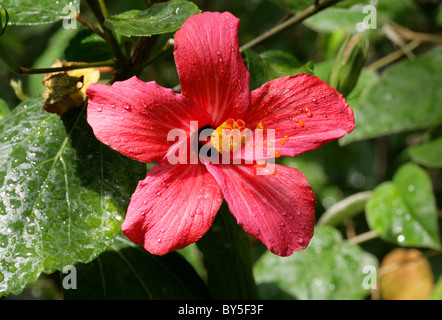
[[165, 49], [293, 20], [90, 27]]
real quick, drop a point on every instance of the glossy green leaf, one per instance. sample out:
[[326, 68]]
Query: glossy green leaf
[[165, 17], [4, 109], [428, 153], [128, 271], [329, 268], [273, 64], [62, 193], [29, 12], [227, 259], [404, 211], [407, 97]]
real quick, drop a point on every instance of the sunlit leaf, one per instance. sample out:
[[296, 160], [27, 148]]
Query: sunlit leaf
[[405, 275], [227, 259], [428, 153], [62, 193], [272, 64]]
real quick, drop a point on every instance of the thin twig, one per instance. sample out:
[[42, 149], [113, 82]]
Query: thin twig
[[369, 235], [394, 55], [90, 26]]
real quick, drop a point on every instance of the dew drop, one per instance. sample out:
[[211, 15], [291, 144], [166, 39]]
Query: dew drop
[[126, 106], [99, 109]]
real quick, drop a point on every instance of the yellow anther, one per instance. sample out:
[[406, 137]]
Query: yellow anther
[[234, 135]]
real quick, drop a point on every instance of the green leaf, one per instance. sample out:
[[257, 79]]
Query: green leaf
[[294, 5], [428, 153], [128, 271], [4, 109], [328, 269], [62, 193], [29, 12], [165, 17], [227, 259], [346, 208], [407, 97], [437, 293], [404, 211], [273, 64], [54, 50]]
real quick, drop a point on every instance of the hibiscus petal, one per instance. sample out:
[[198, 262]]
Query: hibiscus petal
[[135, 117], [277, 209], [305, 112], [211, 70], [173, 207]]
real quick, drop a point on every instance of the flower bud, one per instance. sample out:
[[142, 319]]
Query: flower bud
[[348, 64]]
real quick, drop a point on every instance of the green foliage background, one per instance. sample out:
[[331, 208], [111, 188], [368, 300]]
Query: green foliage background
[[63, 194]]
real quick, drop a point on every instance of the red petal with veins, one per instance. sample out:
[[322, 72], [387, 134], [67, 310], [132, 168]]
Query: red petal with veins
[[304, 111], [210, 67], [135, 117], [173, 207], [278, 209]]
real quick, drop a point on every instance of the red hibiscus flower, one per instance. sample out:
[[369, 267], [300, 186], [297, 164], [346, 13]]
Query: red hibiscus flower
[[177, 202]]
